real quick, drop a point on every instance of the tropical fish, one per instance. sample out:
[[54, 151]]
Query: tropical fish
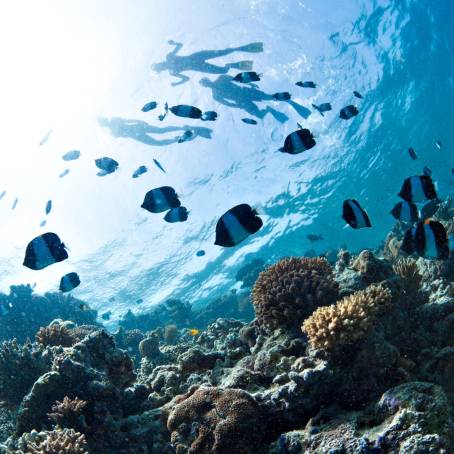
[[185, 136], [139, 301], [178, 214], [200, 253], [322, 108], [348, 112], [307, 84], [185, 111], [427, 239], [149, 106], [236, 224], [164, 114], [158, 165], [282, 96], [16, 201], [247, 77], [194, 332], [106, 315], [406, 212], [412, 154], [44, 250], [358, 94], [249, 121], [69, 282], [210, 115], [160, 199], [354, 215], [139, 171], [430, 208], [298, 141], [311, 237], [43, 223], [71, 155], [418, 188], [107, 166], [64, 173], [48, 206], [438, 144]]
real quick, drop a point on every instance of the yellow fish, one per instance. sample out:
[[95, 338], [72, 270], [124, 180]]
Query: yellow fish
[[194, 332]]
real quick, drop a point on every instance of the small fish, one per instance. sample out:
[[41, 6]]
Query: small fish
[[139, 171], [354, 215], [418, 189], [48, 206], [200, 253], [160, 199], [149, 106], [430, 208], [185, 111], [307, 84], [83, 307], [186, 136], [298, 141], [111, 299], [358, 94], [322, 108], [247, 77], [412, 153], [45, 138], [158, 165], [69, 282], [107, 165], [406, 212], [427, 171], [2, 195], [249, 121], [139, 301], [106, 315], [194, 332], [71, 155], [44, 250], [64, 173], [43, 223], [179, 214], [210, 115], [236, 224], [164, 114], [282, 96], [438, 144], [348, 112], [16, 200], [311, 237], [428, 239]]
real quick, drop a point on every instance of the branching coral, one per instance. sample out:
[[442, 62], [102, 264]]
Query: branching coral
[[68, 412], [347, 321], [55, 335], [288, 291]]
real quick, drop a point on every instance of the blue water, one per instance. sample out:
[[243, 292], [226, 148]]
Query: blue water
[[87, 76]]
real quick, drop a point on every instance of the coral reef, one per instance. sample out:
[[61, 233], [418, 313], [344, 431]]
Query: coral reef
[[371, 268], [287, 292], [68, 413], [54, 335]]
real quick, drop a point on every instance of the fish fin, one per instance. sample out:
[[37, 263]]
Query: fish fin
[[299, 125]]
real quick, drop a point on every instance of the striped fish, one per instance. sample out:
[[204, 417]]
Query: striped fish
[[44, 250], [418, 188], [354, 215]]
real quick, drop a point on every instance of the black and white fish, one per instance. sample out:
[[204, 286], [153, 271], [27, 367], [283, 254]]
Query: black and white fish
[[164, 113], [249, 121], [412, 153], [298, 141], [106, 165], [185, 111], [282, 96], [16, 201], [348, 112], [430, 208], [48, 206], [69, 282], [71, 155], [312, 237], [158, 165], [322, 108], [188, 134], [161, 199], [247, 77], [236, 224], [209, 115], [200, 253], [418, 188], [149, 106], [139, 171], [406, 212], [427, 171], [357, 94], [44, 250], [64, 173], [428, 239], [354, 215], [306, 84], [438, 144], [179, 214]]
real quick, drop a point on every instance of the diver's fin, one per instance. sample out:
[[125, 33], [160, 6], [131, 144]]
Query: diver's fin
[[252, 47], [245, 65]]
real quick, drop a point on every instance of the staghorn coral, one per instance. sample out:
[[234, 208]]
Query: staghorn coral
[[347, 321], [407, 269], [55, 335], [68, 412], [288, 291], [216, 420], [56, 441]]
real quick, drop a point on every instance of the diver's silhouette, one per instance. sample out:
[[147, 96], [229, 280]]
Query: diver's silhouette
[[227, 92], [177, 64], [141, 131]]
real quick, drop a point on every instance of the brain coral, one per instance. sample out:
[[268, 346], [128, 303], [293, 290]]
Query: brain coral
[[218, 421], [289, 291], [347, 321]]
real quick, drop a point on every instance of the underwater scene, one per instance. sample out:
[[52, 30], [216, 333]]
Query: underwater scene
[[227, 227]]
